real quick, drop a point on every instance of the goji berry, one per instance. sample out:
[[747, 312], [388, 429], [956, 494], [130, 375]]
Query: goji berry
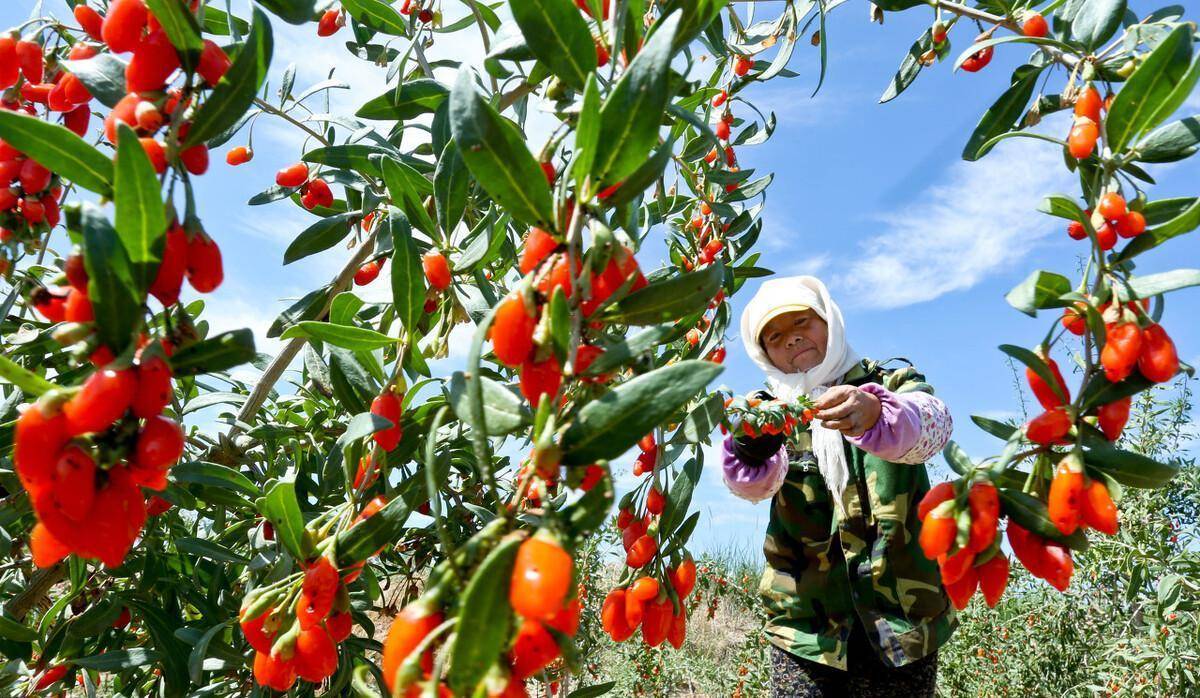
[[205, 270], [541, 578], [655, 501], [1088, 103], [512, 331], [437, 270], [331, 21], [1081, 140], [339, 625], [154, 59], [1049, 427], [1111, 206], [314, 193], [641, 552], [937, 534], [612, 616], [272, 672], [742, 65], [538, 378], [78, 307], [678, 631], [239, 155], [102, 399], [409, 628], [171, 270], [1157, 359], [993, 578], [984, 503], [953, 567], [978, 61], [1112, 417], [1035, 25], [1097, 509], [367, 273], [50, 677], [683, 578], [533, 649], [937, 494], [960, 591], [1050, 396], [538, 245], [315, 655], [160, 443], [123, 25], [256, 633], [90, 20], [1131, 225], [1122, 349], [292, 175], [155, 152], [387, 406], [656, 621]]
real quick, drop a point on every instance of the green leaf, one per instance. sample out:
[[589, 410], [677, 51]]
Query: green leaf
[[956, 458], [503, 410], [1154, 284], [681, 497], [308, 307], [140, 220], [592, 691], [346, 336], [407, 189], [235, 92], [451, 185], [408, 276], [200, 652], [1062, 206], [1186, 221], [1171, 142], [1096, 21], [633, 111], [495, 152], [910, 67], [645, 175], [208, 549], [103, 75], [361, 426], [622, 351], [320, 236], [1031, 514], [406, 101], [118, 660], [12, 630], [1156, 89], [291, 11], [116, 301], [377, 15], [1126, 467], [485, 619], [558, 36], [670, 298], [363, 539], [213, 475], [280, 506], [179, 23], [605, 428], [217, 22], [59, 150], [1003, 115], [29, 382], [349, 156], [1040, 290], [218, 353], [587, 133], [995, 428]]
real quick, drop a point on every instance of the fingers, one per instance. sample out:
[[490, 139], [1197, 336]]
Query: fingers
[[834, 396], [839, 411]]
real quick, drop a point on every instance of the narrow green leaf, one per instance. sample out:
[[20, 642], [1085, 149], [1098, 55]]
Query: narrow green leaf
[[633, 111], [349, 156], [280, 506], [346, 336], [140, 219], [1154, 284], [1149, 95], [495, 152], [116, 301], [12, 630], [362, 540], [558, 36], [408, 275], [910, 67], [605, 428], [587, 133], [320, 236], [503, 410], [59, 150], [213, 475], [218, 353], [993, 427], [291, 11], [621, 352], [1032, 515], [208, 549], [377, 15], [407, 189], [1096, 21], [408, 100], [1126, 467], [29, 382], [670, 298], [1002, 116], [235, 92], [118, 660], [451, 185], [1171, 142], [485, 619], [179, 23], [103, 75], [1040, 290]]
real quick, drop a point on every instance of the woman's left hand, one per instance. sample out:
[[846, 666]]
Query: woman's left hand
[[847, 409]]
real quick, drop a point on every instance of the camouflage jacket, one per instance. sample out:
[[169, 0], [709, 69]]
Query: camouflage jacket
[[824, 571]]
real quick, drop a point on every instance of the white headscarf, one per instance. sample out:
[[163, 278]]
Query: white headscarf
[[793, 293]]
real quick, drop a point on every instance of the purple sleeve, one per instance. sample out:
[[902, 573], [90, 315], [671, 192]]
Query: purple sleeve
[[912, 426], [753, 482]]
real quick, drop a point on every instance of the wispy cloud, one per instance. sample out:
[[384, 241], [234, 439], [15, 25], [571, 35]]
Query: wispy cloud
[[978, 220]]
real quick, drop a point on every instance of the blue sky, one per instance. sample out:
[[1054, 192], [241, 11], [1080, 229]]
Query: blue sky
[[917, 245]]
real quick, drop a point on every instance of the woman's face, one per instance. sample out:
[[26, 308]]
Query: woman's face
[[795, 341]]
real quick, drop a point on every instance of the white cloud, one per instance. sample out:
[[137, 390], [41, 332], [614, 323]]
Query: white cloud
[[978, 220]]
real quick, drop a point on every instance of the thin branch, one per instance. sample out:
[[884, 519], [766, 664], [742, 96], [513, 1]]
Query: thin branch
[[272, 109]]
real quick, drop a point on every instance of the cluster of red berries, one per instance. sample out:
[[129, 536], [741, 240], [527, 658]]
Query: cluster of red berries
[[541, 593], [545, 266], [295, 627], [314, 191], [978, 564], [1117, 221], [646, 603], [758, 417], [83, 455], [1085, 128]]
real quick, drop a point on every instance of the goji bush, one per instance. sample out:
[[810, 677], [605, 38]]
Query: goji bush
[[259, 552]]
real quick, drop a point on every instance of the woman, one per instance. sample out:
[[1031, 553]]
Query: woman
[[854, 607]]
